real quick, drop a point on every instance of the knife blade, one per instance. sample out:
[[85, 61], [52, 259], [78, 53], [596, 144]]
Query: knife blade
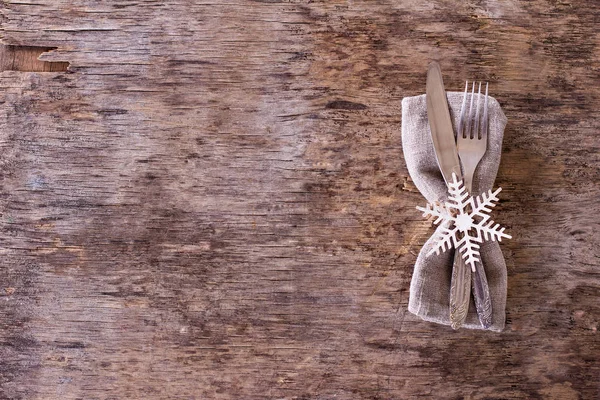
[[446, 153], [442, 133]]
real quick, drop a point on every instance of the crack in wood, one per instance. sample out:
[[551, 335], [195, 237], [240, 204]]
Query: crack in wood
[[26, 59]]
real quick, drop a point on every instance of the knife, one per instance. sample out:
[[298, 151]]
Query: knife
[[446, 153]]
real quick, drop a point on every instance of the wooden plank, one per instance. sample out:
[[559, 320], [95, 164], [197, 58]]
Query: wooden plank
[[212, 203]]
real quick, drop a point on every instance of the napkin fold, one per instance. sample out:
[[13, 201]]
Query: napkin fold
[[430, 285]]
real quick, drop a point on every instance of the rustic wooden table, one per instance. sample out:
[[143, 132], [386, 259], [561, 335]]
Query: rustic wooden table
[[212, 202]]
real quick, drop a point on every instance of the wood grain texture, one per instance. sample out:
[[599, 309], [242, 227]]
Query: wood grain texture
[[213, 204]]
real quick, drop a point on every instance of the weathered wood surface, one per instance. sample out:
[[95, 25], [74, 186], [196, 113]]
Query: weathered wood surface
[[213, 204]]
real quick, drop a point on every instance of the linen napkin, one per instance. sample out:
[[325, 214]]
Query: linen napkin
[[430, 285]]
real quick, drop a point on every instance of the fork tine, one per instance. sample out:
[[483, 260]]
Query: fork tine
[[468, 131], [484, 122], [475, 134], [461, 118]]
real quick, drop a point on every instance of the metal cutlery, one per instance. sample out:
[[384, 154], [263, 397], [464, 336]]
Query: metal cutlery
[[446, 152], [467, 148]]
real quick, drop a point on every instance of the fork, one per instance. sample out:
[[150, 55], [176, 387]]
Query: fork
[[472, 144], [472, 140]]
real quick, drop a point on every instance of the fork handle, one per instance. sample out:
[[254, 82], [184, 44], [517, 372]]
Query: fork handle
[[481, 289]]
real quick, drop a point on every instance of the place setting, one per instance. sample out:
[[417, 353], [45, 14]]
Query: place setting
[[452, 144]]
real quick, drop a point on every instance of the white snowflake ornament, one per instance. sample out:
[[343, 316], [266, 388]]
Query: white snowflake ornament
[[468, 219]]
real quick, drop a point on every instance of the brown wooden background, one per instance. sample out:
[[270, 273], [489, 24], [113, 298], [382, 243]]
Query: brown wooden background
[[212, 202]]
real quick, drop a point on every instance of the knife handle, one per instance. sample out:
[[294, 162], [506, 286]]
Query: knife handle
[[460, 291], [481, 292]]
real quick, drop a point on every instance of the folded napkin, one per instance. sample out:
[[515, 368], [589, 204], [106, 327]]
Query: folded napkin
[[430, 285]]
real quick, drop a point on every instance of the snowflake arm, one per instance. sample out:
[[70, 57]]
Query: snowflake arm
[[458, 197], [483, 204], [469, 250], [445, 240], [489, 231], [437, 211]]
